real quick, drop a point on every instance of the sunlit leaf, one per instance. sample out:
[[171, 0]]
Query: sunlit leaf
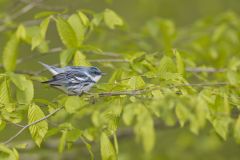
[[66, 33], [182, 114], [78, 27], [221, 126], [10, 53], [7, 153], [73, 135], [180, 63], [80, 59], [84, 18], [2, 124], [97, 19], [144, 128], [107, 150], [21, 32], [89, 148], [19, 80], [74, 103], [166, 64], [25, 96], [62, 142], [136, 82], [66, 56], [111, 19], [44, 26], [38, 130], [4, 93], [45, 14], [129, 113]]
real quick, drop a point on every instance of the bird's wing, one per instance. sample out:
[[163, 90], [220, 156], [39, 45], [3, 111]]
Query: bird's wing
[[68, 78], [74, 68], [54, 70]]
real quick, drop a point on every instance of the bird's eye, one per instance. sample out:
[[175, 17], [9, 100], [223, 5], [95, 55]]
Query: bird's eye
[[96, 73]]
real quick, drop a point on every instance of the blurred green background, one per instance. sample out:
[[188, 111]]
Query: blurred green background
[[172, 142]]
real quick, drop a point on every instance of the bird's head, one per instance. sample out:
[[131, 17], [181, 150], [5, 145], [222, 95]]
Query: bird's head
[[95, 73]]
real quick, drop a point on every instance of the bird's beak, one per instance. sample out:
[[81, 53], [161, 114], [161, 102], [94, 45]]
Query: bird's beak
[[104, 73]]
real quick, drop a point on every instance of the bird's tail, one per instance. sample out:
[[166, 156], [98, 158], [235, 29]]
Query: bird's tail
[[52, 69]]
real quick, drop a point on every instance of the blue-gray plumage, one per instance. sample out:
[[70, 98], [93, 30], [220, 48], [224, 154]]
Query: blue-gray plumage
[[73, 80]]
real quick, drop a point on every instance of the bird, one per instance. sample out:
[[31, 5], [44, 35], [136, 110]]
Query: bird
[[73, 80]]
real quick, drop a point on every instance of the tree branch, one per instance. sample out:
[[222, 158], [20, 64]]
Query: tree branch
[[31, 124], [114, 93], [141, 91]]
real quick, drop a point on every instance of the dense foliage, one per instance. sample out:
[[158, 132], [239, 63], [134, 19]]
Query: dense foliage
[[158, 76]]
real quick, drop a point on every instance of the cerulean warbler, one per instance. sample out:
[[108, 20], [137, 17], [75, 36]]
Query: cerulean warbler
[[73, 80]]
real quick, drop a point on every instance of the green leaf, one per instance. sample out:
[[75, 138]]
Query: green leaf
[[218, 32], [2, 124], [129, 113], [10, 53], [144, 128], [97, 19], [182, 114], [44, 26], [43, 47], [233, 77], [66, 33], [66, 56], [73, 135], [236, 130], [202, 112], [89, 148], [84, 18], [38, 130], [74, 103], [7, 153], [136, 82], [62, 142], [31, 32], [111, 19], [180, 63], [166, 65], [19, 80], [25, 96], [221, 126], [115, 143], [45, 14], [33, 36], [21, 32], [80, 59], [78, 27], [168, 32], [36, 41], [4, 92], [107, 149]]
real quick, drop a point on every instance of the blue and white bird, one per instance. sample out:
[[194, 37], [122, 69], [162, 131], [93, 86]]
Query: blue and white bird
[[73, 80]]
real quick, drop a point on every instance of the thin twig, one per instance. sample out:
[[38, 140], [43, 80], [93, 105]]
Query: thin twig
[[24, 10], [43, 6], [203, 84], [108, 60], [207, 70], [31, 124], [119, 93], [18, 125]]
